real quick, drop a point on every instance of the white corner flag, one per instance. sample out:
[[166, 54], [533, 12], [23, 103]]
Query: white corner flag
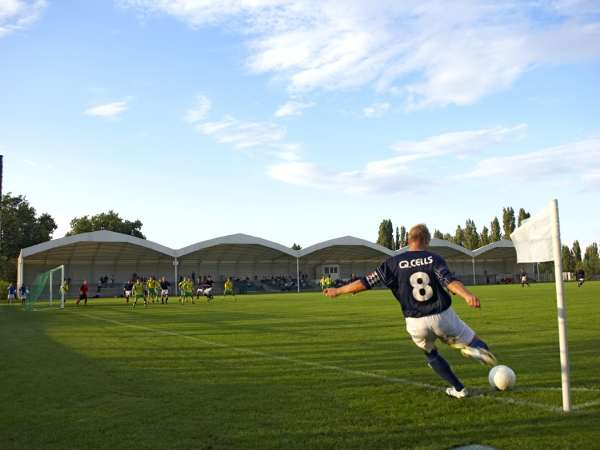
[[538, 240]]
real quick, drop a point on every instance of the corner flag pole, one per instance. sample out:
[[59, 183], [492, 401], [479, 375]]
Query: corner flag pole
[[562, 315]]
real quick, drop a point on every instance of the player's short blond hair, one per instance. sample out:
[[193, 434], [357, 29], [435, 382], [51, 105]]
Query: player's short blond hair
[[419, 233]]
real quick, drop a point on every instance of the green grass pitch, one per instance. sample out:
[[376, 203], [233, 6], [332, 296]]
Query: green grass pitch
[[292, 371]]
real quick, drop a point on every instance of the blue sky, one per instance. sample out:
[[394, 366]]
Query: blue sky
[[301, 121]]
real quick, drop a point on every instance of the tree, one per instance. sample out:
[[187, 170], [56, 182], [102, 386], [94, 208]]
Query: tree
[[296, 247], [522, 216], [403, 237], [591, 252], [438, 234], [447, 237], [576, 251], [21, 228], [397, 245], [471, 238], [484, 238], [109, 221], [495, 233], [568, 260], [508, 222], [386, 234], [459, 236]]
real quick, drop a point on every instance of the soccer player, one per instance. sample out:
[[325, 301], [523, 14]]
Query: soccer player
[[64, 288], [83, 294], [151, 285], [128, 290], [328, 282], [523, 276], [181, 285], [228, 289], [417, 279], [11, 293], [580, 275], [207, 288], [164, 293], [189, 289], [23, 292], [138, 292], [322, 283]]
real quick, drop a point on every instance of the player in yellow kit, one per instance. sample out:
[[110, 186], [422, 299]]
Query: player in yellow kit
[[181, 286], [189, 289], [138, 292], [228, 289], [151, 286], [64, 288]]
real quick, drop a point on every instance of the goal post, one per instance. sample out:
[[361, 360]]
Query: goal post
[[43, 287]]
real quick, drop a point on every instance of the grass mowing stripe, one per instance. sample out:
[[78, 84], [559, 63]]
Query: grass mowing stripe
[[475, 394]]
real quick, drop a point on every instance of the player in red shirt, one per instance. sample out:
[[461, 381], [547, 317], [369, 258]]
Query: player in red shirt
[[83, 294]]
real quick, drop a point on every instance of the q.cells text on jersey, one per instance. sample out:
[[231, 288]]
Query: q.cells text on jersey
[[417, 280]]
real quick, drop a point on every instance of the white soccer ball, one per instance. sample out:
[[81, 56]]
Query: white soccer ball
[[502, 378]]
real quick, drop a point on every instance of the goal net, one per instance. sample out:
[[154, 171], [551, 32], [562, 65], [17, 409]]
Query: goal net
[[45, 289]]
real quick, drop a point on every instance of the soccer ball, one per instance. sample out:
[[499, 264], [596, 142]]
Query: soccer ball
[[502, 378]]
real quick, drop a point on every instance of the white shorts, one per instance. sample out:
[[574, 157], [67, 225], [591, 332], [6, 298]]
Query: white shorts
[[523, 279], [446, 326], [164, 292], [127, 293], [11, 296], [206, 291], [582, 279], [23, 296]]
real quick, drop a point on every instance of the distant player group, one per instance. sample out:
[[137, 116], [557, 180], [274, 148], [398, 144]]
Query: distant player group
[[136, 291]]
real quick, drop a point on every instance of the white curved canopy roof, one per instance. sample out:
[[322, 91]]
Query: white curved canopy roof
[[98, 245], [110, 246]]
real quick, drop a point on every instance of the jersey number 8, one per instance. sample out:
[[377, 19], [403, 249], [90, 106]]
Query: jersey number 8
[[421, 289]]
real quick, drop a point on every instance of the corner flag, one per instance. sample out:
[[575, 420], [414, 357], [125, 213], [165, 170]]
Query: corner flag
[[538, 240]]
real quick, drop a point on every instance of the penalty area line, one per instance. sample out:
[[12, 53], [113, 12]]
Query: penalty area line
[[475, 394]]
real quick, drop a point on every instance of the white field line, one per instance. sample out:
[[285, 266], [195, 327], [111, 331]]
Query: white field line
[[474, 394]]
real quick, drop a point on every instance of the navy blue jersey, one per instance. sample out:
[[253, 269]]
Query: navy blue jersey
[[164, 285], [417, 280], [128, 286], [352, 280], [208, 283], [580, 274], [523, 273]]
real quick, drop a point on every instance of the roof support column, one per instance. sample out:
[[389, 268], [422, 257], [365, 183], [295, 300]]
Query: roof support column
[[474, 281], [298, 273], [176, 284]]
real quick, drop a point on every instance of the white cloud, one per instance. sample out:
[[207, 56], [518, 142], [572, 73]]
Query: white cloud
[[26, 161], [574, 163], [197, 114], [434, 54], [401, 175], [241, 134], [18, 15], [377, 110], [108, 111], [292, 109]]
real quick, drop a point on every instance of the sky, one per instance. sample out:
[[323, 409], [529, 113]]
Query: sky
[[301, 121]]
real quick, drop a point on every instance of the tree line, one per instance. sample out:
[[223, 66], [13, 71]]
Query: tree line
[[22, 227], [469, 238]]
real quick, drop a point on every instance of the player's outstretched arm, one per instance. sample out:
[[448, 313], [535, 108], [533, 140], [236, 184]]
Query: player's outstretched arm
[[458, 288], [351, 288]]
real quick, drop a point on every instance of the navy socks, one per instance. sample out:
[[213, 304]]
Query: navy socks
[[442, 368]]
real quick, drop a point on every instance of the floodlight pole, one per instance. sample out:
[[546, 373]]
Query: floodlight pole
[[298, 272], [562, 315]]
